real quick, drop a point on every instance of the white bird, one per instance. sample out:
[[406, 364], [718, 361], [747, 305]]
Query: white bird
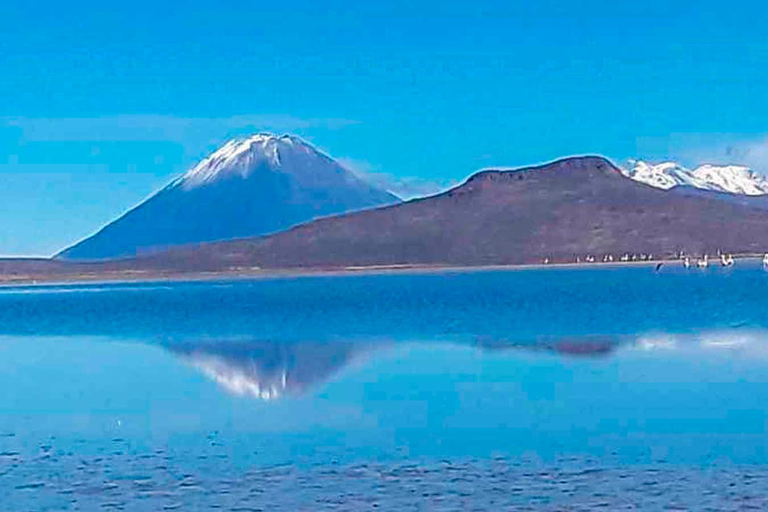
[[704, 263], [765, 260], [687, 262]]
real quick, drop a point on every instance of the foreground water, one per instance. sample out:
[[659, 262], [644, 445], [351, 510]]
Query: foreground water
[[587, 388]]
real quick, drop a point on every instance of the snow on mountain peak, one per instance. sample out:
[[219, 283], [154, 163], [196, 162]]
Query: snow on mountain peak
[[242, 156], [731, 179], [735, 179], [664, 175]]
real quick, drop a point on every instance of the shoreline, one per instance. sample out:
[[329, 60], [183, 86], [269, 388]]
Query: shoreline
[[127, 277]]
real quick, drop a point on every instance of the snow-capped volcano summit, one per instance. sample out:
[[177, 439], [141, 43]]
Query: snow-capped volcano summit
[[248, 187], [731, 179], [240, 157]]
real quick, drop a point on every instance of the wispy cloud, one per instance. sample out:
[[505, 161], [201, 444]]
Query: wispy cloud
[[405, 187], [694, 149], [158, 127], [752, 153], [126, 138]]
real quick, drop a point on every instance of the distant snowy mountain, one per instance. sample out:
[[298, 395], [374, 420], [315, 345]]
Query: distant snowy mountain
[[248, 187], [734, 179], [731, 179]]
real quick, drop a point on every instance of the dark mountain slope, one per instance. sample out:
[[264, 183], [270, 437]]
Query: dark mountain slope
[[569, 208]]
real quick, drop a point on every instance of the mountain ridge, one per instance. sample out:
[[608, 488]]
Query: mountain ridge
[[560, 211]]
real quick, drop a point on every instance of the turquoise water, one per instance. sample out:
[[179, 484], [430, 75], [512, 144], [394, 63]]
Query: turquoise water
[[146, 396]]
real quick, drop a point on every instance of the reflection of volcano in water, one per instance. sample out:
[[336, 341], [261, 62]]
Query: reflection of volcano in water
[[267, 369]]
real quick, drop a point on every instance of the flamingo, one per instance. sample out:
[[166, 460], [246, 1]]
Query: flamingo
[[726, 260]]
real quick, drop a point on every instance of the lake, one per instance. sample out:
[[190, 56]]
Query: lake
[[613, 388]]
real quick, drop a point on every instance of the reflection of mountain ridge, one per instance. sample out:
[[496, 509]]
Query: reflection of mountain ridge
[[581, 346], [270, 369]]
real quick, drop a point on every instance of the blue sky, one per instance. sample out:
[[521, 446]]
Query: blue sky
[[102, 104]]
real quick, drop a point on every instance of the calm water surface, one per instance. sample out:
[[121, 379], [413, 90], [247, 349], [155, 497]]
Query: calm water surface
[[590, 388]]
